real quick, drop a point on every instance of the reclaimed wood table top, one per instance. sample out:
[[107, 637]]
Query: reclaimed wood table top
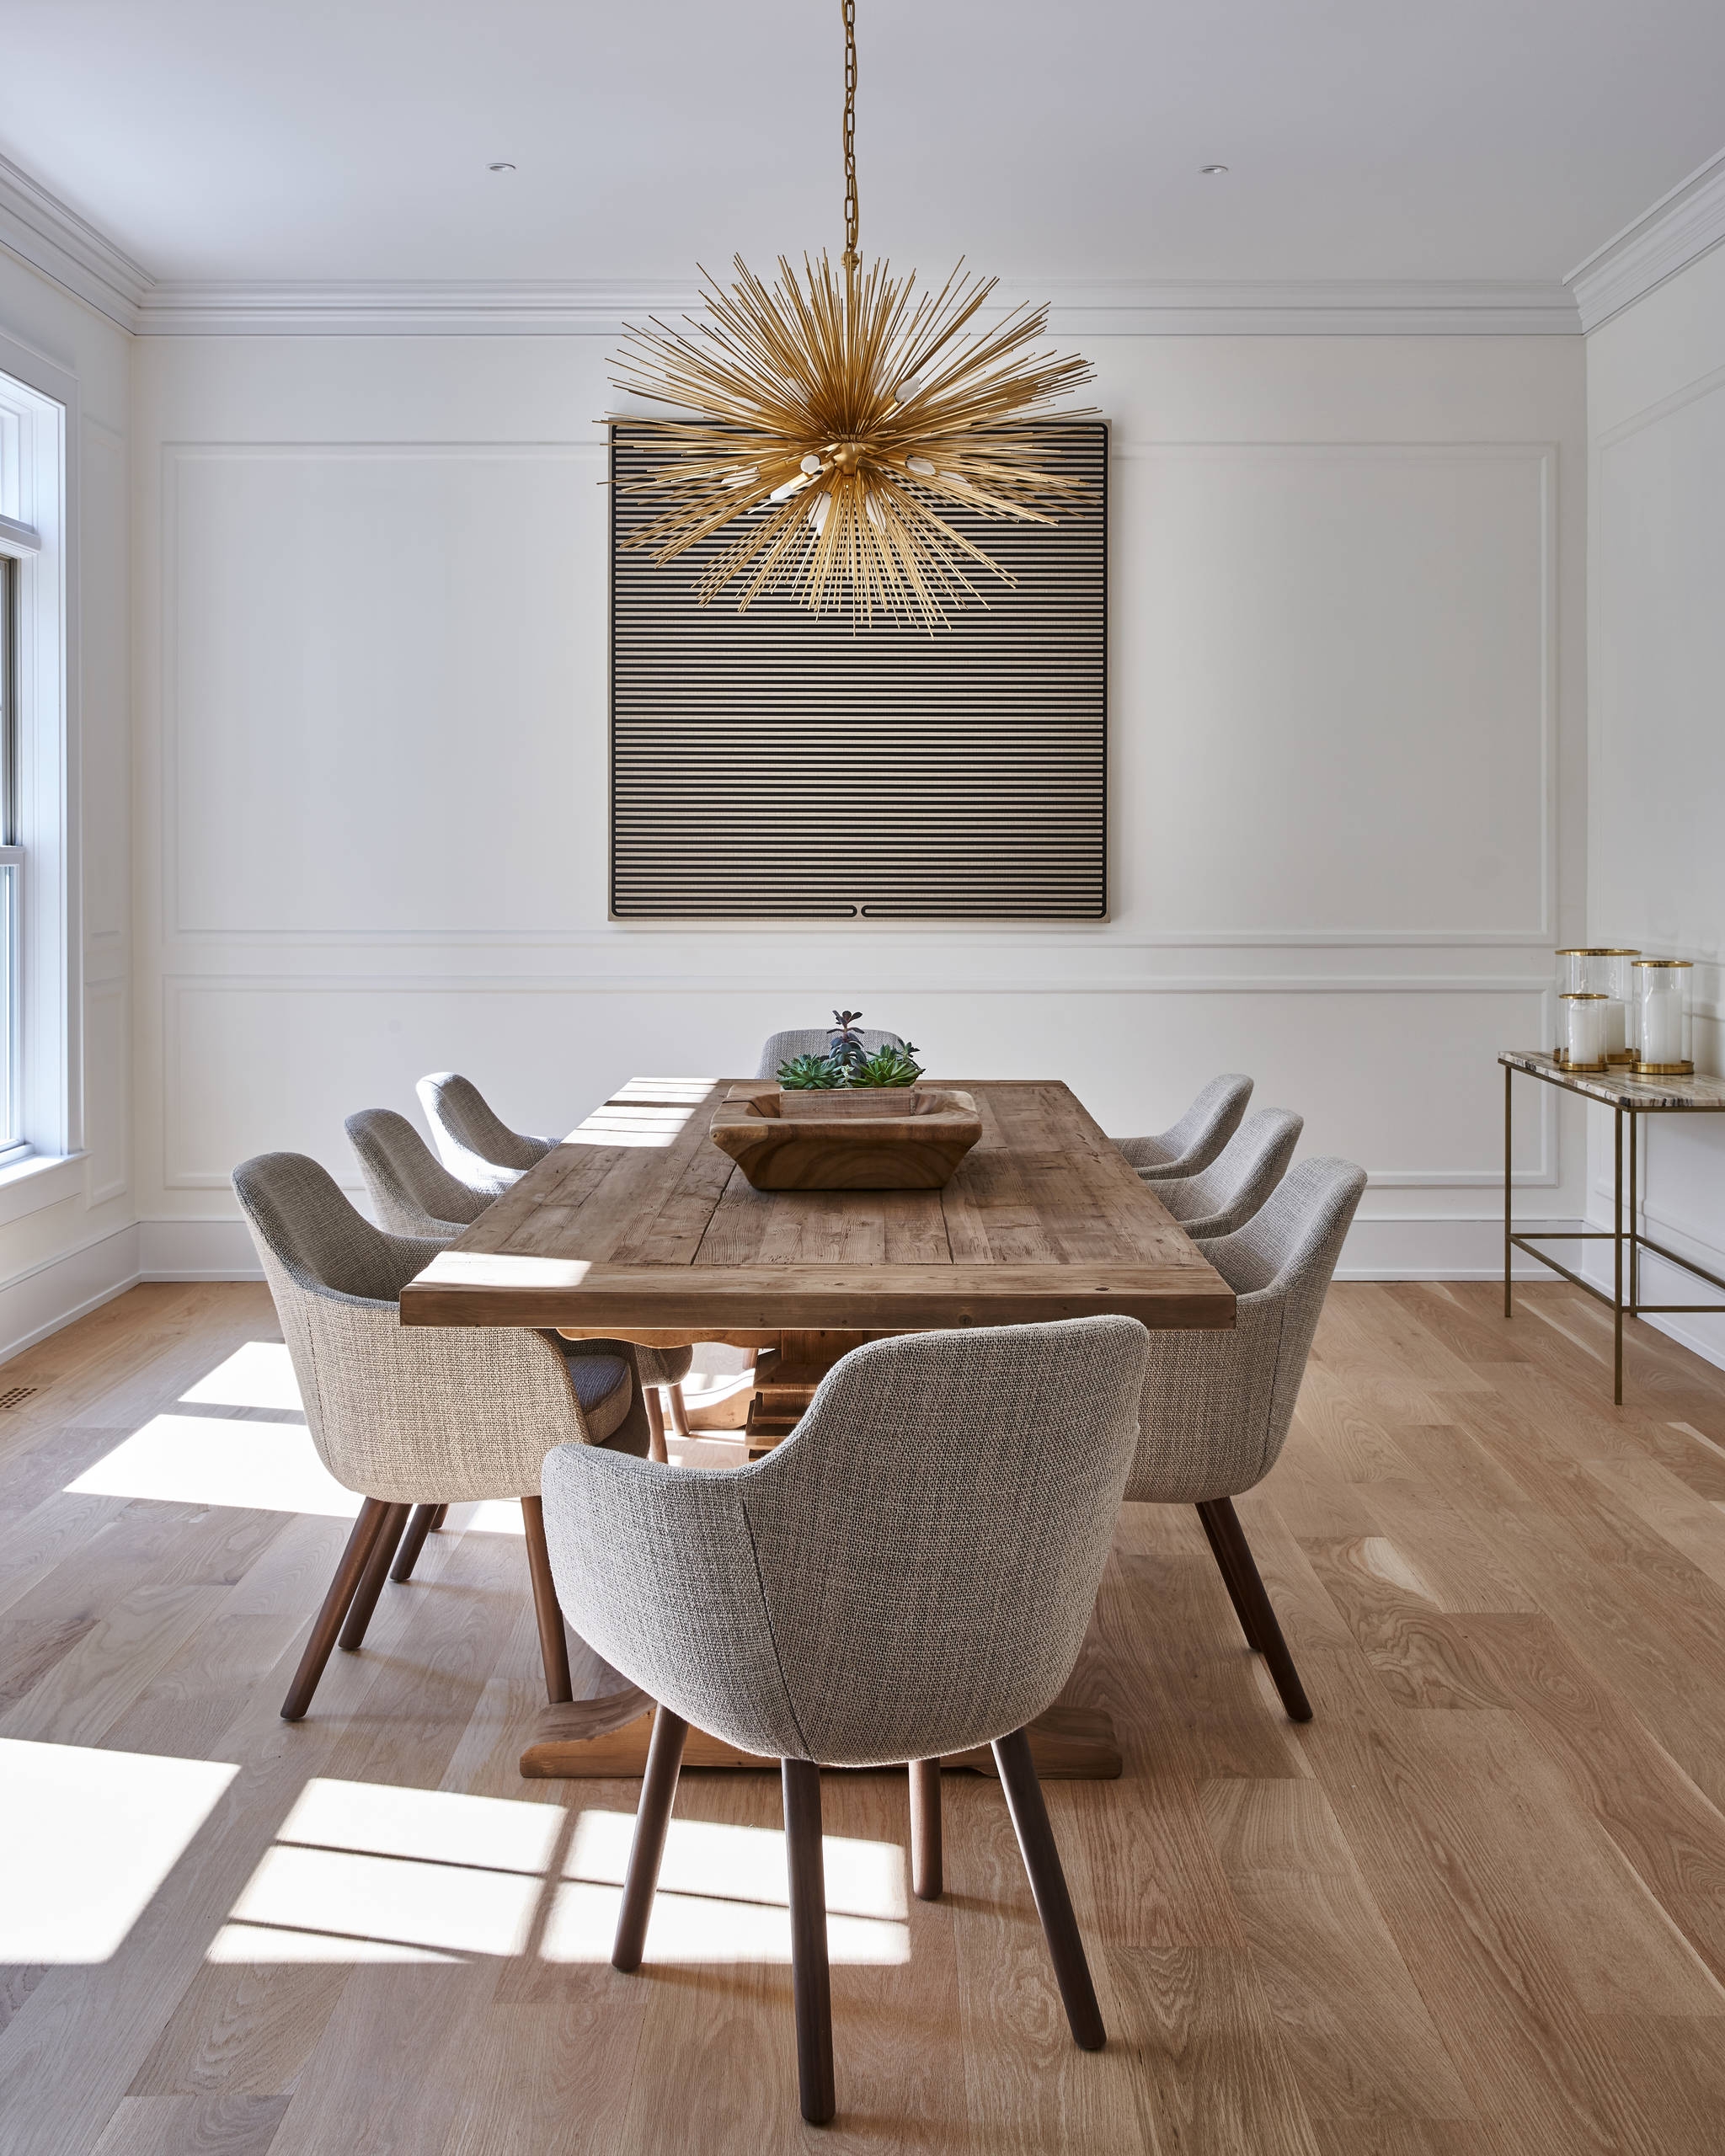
[[637, 1226]]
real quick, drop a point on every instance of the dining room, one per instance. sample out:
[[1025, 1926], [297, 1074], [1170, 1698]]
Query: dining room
[[817, 829]]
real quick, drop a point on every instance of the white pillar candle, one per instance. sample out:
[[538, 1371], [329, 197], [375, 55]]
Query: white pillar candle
[[1585, 1030], [1662, 1028]]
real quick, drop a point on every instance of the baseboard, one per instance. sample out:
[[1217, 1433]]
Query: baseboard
[[1701, 1334], [62, 1289]]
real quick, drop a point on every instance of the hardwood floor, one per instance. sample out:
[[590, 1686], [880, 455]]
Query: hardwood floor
[[1476, 1905]]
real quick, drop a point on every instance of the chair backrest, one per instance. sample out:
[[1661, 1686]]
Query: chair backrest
[[414, 1193], [1217, 1406], [1193, 1142], [409, 1414], [1224, 1196], [814, 1040], [472, 1141], [910, 1573]]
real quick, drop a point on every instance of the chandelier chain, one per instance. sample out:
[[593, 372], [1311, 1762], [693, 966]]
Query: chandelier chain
[[851, 213]]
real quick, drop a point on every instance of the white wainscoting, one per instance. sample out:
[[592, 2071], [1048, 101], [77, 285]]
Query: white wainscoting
[[1346, 817]]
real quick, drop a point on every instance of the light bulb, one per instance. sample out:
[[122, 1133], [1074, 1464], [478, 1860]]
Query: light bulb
[[871, 509], [817, 512], [919, 467], [811, 464], [908, 388], [790, 487]]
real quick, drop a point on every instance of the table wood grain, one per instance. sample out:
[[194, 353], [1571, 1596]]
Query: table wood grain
[[637, 1226]]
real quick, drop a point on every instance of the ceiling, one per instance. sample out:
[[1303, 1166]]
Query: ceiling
[[237, 140]]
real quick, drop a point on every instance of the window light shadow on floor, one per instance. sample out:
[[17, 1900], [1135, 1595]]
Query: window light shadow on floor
[[87, 1838], [360, 1873]]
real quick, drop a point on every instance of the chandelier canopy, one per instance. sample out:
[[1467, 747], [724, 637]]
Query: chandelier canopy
[[833, 416]]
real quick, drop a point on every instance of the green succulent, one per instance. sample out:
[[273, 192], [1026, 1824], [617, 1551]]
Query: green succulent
[[888, 1066], [811, 1073]]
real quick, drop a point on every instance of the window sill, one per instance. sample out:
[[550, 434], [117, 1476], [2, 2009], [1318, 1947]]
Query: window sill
[[38, 1180]]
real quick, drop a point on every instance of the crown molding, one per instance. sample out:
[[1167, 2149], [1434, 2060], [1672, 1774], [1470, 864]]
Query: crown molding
[[1680, 228], [40, 230], [1362, 308]]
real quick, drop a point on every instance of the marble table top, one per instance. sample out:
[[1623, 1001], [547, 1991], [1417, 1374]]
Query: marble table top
[[1619, 1087]]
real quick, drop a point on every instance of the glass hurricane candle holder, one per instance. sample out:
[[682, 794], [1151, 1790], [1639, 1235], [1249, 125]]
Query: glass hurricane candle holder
[[1574, 978], [1612, 974], [1662, 1028], [1584, 1031]]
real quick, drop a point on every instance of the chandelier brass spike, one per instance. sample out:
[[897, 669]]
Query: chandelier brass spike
[[830, 419]]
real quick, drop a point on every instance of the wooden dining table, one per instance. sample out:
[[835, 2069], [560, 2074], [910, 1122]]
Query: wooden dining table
[[636, 1227]]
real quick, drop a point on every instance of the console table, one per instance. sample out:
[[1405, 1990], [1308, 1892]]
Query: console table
[[1621, 1090]]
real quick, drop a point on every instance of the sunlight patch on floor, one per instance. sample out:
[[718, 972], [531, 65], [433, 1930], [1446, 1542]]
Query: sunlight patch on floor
[[209, 1459], [259, 1375], [87, 1837]]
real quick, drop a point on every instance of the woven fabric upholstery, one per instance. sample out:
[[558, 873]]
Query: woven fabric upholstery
[[814, 1040], [1224, 1196], [656, 1366], [410, 1414], [1194, 1141], [1217, 1404], [472, 1143], [910, 1573], [414, 1193]]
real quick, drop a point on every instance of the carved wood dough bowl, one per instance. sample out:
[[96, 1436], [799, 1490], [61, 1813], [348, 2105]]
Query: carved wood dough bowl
[[907, 1139]]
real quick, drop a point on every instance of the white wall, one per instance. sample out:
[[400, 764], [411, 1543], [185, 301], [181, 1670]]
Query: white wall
[[1655, 423], [63, 1257], [1348, 766]]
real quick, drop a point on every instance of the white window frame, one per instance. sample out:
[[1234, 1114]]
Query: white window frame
[[38, 531]]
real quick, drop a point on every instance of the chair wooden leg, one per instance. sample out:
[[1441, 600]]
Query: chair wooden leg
[[679, 1411], [655, 1426], [423, 1519], [554, 1639], [1246, 1587], [1218, 1550], [1047, 1883], [334, 1607], [926, 1878], [659, 1791], [371, 1586], [811, 1983], [438, 1514]]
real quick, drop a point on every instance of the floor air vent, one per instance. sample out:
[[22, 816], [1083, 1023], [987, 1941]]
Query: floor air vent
[[16, 1395]]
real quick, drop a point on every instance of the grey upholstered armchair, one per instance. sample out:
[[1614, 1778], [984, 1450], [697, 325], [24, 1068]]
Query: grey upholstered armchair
[[1193, 1142], [1224, 1196], [909, 1574], [1217, 1406], [473, 1141], [414, 1420], [814, 1040], [412, 1191]]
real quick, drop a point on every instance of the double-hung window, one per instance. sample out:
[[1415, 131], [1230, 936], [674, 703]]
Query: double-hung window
[[11, 871]]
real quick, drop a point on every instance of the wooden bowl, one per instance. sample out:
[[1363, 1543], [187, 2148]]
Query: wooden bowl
[[908, 1139]]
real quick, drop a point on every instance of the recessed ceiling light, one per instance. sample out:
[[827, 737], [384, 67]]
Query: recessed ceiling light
[[1208, 172], [499, 167]]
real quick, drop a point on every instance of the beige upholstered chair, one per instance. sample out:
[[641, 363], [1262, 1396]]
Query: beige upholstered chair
[[1193, 1142], [474, 1142], [413, 1419], [1217, 1406], [909, 1574], [814, 1040], [414, 1193], [1224, 1196], [483, 1157]]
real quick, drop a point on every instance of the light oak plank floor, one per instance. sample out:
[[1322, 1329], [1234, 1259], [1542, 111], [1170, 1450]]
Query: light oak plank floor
[[1477, 1905]]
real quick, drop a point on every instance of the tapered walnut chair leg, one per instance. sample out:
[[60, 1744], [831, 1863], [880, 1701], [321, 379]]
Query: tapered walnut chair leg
[[659, 1791], [371, 1586], [679, 1411], [926, 1878], [554, 1639], [1225, 1565], [811, 1981], [423, 1519], [655, 1426], [438, 1514], [1047, 1883], [1240, 1570], [334, 1607]]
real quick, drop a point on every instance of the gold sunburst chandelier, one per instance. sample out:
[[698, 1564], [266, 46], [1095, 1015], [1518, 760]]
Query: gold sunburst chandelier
[[834, 417]]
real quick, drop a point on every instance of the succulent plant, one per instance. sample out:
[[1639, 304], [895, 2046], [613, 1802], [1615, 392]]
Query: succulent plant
[[846, 1050], [888, 1066], [811, 1073]]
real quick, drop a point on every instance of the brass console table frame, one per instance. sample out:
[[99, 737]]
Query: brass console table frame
[[1625, 1094]]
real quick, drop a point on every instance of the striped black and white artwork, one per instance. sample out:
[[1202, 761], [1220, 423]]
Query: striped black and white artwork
[[771, 766]]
